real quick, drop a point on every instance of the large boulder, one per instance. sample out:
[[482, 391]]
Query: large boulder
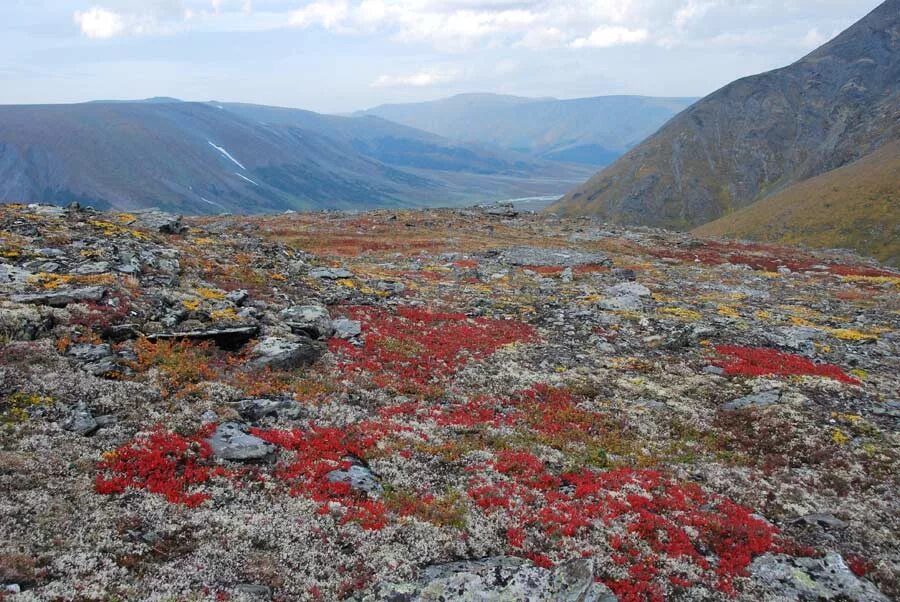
[[813, 579], [285, 354], [231, 441]]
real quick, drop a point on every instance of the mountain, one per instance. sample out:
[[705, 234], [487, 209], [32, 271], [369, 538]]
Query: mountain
[[856, 206], [214, 157], [759, 135], [591, 131]]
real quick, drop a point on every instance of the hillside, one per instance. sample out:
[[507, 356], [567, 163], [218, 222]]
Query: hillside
[[760, 134], [856, 207], [203, 158], [439, 405], [591, 131]]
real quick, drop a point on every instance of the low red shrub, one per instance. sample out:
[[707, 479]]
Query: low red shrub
[[762, 361]]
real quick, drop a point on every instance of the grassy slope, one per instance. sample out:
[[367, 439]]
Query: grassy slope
[[856, 206]]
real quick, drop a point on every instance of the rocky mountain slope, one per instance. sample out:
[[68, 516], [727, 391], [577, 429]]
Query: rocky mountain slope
[[759, 135], [213, 158], [445, 404], [855, 207], [593, 131]]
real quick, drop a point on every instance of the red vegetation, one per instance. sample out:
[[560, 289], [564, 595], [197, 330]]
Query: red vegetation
[[163, 463], [641, 517], [766, 258], [416, 350], [761, 361]]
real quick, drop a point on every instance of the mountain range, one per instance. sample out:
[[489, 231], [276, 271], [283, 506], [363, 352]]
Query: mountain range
[[225, 157], [592, 131], [758, 137]]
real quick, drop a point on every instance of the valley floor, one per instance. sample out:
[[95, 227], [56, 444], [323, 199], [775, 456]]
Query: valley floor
[[444, 404]]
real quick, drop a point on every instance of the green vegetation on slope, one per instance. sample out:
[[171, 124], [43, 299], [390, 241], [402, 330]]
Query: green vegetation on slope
[[856, 206]]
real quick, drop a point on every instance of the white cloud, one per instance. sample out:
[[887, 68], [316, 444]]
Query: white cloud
[[420, 79], [99, 23], [330, 15], [606, 36]]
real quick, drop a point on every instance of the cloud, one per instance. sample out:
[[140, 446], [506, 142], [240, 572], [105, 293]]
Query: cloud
[[607, 36], [99, 23], [420, 79], [330, 15]]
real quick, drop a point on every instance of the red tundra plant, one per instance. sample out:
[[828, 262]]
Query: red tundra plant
[[164, 463], [416, 350], [659, 535], [762, 361]]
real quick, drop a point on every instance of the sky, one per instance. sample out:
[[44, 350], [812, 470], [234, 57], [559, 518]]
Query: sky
[[345, 55]]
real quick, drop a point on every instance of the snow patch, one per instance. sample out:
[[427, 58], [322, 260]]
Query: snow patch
[[246, 178], [227, 154]]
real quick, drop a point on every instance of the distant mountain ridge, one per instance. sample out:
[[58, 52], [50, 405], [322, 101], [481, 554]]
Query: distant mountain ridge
[[214, 157], [759, 135], [592, 131]]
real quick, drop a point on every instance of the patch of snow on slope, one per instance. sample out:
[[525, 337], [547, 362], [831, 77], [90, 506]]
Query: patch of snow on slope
[[227, 154], [246, 178]]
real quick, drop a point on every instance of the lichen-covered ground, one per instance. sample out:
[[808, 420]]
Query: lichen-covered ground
[[415, 388]]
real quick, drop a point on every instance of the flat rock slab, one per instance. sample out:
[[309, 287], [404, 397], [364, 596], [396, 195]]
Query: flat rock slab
[[62, 298], [827, 578], [500, 578], [756, 400], [231, 441], [330, 273], [359, 477], [159, 221], [534, 256]]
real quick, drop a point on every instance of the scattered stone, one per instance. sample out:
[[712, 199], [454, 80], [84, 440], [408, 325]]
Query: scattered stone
[[255, 590], [231, 441], [86, 352], [257, 409], [813, 579], [238, 297], [227, 338], [756, 400], [159, 221], [498, 578], [330, 273], [536, 256], [312, 320], [632, 289], [80, 421], [818, 519], [283, 354], [358, 476], [347, 329], [567, 275]]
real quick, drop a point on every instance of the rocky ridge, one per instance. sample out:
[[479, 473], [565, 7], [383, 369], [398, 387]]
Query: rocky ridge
[[445, 404]]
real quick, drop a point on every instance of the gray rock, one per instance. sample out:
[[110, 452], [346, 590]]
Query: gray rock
[[716, 370], [498, 578], [10, 274], [813, 579], [820, 519], [85, 352], [347, 329], [358, 476], [284, 354], [621, 303], [330, 273], [231, 441], [255, 590], [312, 320], [627, 288], [63, 297], [756, 400], [624, 274], [537, 256], [234, 336], [567, 275], [501, 211], [257, 409], [238, 297], [47, 210], [80, 421], [94, 267], [159, 221]]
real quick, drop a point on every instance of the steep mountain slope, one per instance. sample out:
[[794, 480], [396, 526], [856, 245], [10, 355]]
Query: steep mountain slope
[[760, 134], [856, 206], [202, 158], [592, 131]]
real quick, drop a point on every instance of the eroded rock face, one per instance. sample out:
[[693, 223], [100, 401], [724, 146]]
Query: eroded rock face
[[813, 579], [500, 578]]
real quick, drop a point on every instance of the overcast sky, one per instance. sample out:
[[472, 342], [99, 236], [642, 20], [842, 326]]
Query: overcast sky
[[334, 56]]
